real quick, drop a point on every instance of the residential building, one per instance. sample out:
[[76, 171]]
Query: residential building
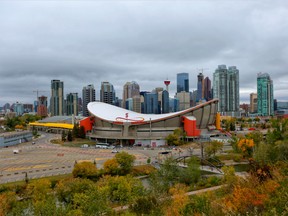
[[265, 97], [57, 98], [226, 88], [28, 108], [184, 100], [107, 93], [200, 87], [207, 89], [18, 109], [182, 82], [72, 104], [253, 103], [88, 95], [42, 107], [130, 89]]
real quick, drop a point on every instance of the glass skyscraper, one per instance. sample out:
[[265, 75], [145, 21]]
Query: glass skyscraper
[[88, 95], [57, 98], [226, 88], [72, 104], [182, 82], [151, 103], [265, 97]]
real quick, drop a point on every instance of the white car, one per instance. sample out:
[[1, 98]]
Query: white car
[[114, 151]]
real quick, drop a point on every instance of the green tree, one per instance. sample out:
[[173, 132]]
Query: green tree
[[165, 177], [257, 137], [192, 173], [122, 189], [69, 136], [64, 136], [92, 202], [125, 162], [147, 205], [176, 138], [111, 166], [82, 133], [85, 170], [75, 131], [67, 188], [213, 147]]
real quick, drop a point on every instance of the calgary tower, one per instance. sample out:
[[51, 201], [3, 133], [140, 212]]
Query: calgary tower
[[167, 83]]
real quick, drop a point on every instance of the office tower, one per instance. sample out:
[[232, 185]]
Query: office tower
[[265, 98], [57, 98], [130, 90], [182, 82], [207, 89], [226, 88], [137, 104], [72, 104], [107, 93], [253, 102], [165, 101], [88, 95], [200, 87], [42, 106], [18, 109], [151, 103], [173, 105], [184, 100], [28, 108]]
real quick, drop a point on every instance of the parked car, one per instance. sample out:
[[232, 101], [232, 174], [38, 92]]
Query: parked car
[[114, 151]]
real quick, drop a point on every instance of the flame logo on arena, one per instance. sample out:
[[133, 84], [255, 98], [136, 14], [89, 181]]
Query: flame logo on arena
[[126, 118]]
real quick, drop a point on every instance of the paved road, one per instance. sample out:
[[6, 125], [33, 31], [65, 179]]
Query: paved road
[[46, 159]]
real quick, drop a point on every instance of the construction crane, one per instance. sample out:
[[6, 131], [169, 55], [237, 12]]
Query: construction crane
[[201, 70]]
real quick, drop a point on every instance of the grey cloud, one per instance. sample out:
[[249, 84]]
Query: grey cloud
[[86, 42]]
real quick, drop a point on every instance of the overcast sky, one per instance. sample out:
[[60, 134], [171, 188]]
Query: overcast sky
[[87, 42]]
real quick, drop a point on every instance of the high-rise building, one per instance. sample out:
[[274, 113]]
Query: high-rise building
[[107, 93], [226, 88], [200, 87], [182, 82], [72, 104], [253, 102], [28, 108], [18, 109], [184, 100], [165, 102], [130, 89], [207, 89], [173, 105], [42, 106], [57, 98], [265, 97], [151, 105], [88, 95]]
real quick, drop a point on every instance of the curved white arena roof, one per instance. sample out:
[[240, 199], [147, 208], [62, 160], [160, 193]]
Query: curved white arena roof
[[119, 115]]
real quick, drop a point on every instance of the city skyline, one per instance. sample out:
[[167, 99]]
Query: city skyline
[[90, 42]]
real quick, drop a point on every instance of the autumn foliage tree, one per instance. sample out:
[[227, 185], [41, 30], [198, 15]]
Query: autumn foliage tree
[[85, 170], [246, 147]]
